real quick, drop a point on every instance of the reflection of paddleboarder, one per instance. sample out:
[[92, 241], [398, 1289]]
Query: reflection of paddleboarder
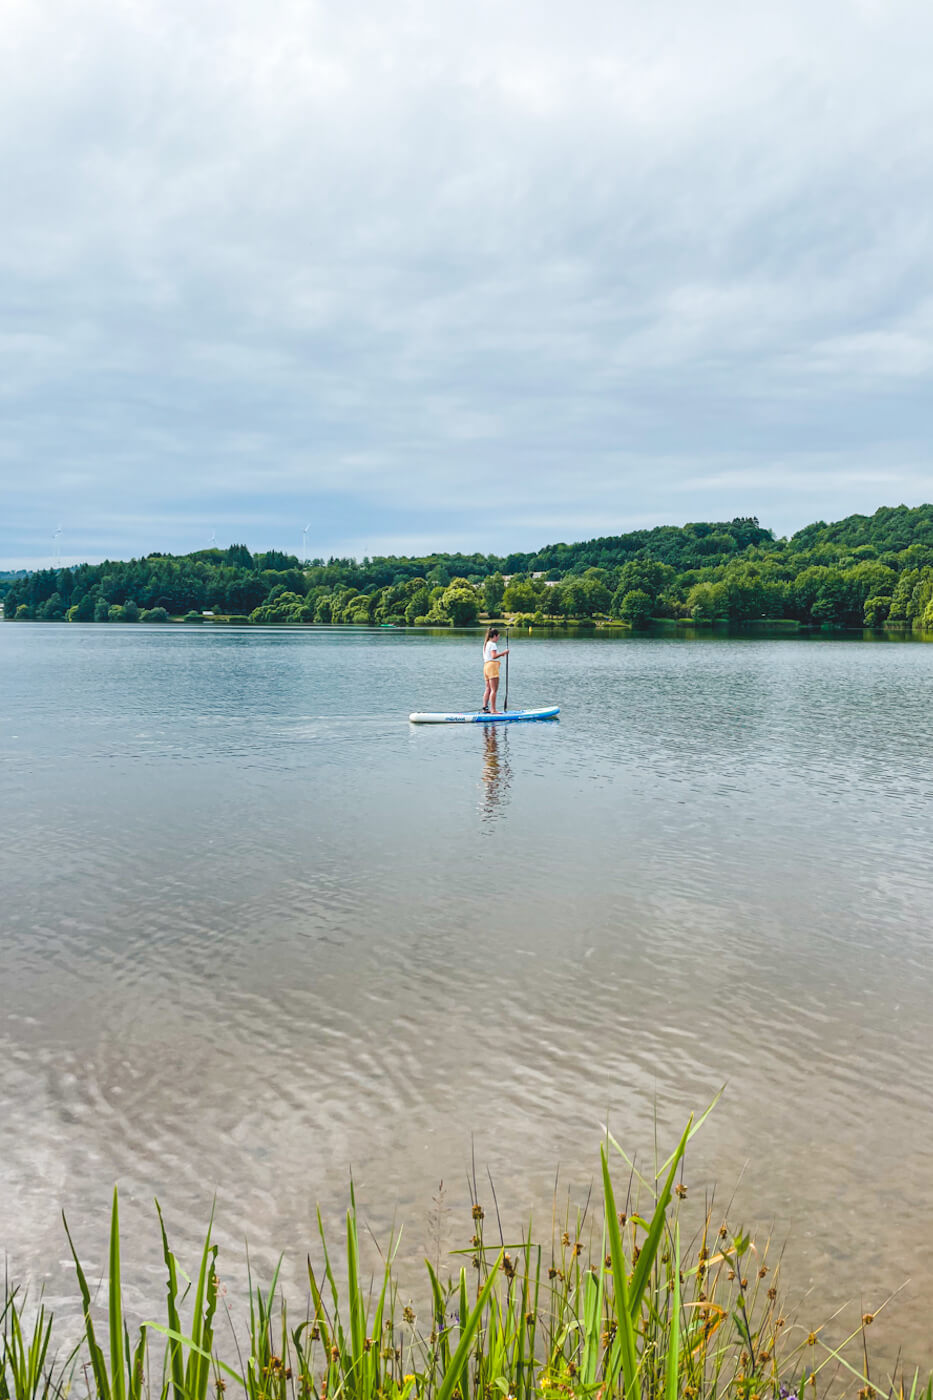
[[497, 772], [491, 657]]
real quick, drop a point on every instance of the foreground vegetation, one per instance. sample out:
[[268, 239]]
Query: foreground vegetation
[[625, 1305], [869, 571]]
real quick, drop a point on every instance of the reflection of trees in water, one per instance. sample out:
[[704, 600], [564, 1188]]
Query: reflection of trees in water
[[497, 772]]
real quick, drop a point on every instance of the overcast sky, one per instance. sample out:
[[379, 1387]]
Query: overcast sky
[[477, 274]]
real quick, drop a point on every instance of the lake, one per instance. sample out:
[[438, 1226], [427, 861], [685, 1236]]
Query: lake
[[258, 931]]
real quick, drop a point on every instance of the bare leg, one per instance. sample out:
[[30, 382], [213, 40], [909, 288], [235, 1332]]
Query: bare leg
[[486, 694], [493, 690]]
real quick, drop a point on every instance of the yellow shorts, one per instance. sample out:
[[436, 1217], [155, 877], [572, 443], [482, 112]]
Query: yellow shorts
[[491, 670]]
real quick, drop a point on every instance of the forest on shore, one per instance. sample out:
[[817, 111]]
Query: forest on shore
[[863, 571]]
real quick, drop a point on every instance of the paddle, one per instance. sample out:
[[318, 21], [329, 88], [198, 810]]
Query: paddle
[[506, 706]]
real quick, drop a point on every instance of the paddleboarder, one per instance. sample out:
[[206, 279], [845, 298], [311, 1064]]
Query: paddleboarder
[[491, 658]]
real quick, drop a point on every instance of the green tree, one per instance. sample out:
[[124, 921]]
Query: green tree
[[519, 596], [361, 609], [53, 609], [821, 595], [556, 603], [902, 595], [130, 611], [460, 603], [83, 610], [418, 606], [239, 556], [595, 594], [244, 594], [154, 615], [635, 608], [705, 602], [493, 593], [876, 610], [583, 597], [285, 608], [648, 575], [921, 595], [868, 579], [831, 602], [745, 595], [101, 610]]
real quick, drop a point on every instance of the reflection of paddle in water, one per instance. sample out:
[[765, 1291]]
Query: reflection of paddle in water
[[497, 772]]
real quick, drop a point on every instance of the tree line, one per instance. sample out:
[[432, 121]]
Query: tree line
[[862, 571]]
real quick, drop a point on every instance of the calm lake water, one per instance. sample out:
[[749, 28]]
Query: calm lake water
[[258, 931]]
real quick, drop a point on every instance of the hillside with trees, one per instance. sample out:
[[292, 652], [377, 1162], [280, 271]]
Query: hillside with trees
[[862, 571]]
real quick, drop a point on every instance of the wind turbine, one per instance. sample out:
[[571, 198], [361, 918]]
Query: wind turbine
[[56, 538], [304, 542], [213, 539]]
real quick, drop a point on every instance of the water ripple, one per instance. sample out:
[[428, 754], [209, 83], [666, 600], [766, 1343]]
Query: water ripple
[[259, 932]]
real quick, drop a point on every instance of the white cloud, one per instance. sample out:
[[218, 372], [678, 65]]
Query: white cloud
[[261, 255]]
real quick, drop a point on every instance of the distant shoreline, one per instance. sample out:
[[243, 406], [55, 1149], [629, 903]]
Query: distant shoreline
[[874, 573], [772, 629]]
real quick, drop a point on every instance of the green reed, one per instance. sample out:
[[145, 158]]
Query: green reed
[[619, 1307]]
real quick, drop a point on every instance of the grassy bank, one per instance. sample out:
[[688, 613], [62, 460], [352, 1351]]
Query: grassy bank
[[622, 1301]]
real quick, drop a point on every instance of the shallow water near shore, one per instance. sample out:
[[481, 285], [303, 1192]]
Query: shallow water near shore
[[258, 932]]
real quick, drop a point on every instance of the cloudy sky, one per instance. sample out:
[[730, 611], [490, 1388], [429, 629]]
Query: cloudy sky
[[476, 274]]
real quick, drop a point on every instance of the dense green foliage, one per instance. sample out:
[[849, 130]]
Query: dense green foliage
[[863, 571], [640, 1305]]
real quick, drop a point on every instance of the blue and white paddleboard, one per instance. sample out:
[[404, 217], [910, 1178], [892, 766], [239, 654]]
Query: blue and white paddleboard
[[479, 717]]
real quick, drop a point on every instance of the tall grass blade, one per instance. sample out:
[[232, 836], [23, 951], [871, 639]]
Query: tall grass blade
[[625, 1328], [468, 1327], [649, 1249], [440, 1317], [175, 1368], [96, 1355], [115, 1310], [357, 1305], [198, 1368], [672, 1388]]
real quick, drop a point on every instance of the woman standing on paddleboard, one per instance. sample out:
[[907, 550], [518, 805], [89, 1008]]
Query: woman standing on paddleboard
[[491, 658]]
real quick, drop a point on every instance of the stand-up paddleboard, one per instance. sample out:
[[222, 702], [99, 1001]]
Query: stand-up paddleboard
[[480, 717]]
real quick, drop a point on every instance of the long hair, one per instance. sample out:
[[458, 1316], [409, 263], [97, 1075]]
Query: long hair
[[490, 633]]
